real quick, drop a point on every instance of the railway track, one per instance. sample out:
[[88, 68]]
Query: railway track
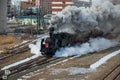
[[114, 74], [18, 49], [29, 66], [25, 66]]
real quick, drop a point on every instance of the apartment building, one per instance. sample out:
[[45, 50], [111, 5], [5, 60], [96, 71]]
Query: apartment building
[[82, 3], [58, 5], [9, 4], [26, 4], [55, 6], [45, 5], [32, 2]]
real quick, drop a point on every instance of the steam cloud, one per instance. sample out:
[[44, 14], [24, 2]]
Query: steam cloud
[[102, 15], [94, 45]]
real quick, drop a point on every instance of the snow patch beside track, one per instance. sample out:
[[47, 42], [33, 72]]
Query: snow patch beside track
[[103, 60], [19, 62], [34, 50]]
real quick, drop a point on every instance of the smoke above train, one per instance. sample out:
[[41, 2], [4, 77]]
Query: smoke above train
[[103, 15]]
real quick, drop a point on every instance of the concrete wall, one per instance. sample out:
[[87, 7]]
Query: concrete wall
[[3, 13]]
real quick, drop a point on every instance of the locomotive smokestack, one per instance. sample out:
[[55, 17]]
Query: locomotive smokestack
[[51, 31]]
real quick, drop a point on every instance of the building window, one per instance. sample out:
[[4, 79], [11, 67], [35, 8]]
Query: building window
[[63, 2]]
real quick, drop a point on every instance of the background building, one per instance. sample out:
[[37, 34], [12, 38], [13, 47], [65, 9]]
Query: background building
[[45, 6], [58, 5], [84, 3], [33, 2], [54, 6], [26, 4], [9, 6]]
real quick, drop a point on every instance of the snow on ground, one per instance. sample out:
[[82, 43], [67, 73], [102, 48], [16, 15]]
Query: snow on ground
[[93, 45], [42, 79], [103, 60], [34, 48], [25, 41], [71, 70], [19, 62], [92, 68], [1, 51], [75, 70]]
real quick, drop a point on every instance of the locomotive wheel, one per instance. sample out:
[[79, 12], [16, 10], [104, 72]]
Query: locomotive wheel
[[42, 53], [49, 55]]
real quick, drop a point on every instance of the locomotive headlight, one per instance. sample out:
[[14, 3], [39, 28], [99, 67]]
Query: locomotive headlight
[[46, 45]]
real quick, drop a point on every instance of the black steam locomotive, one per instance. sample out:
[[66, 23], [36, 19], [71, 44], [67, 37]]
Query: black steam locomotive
[[55, 41]]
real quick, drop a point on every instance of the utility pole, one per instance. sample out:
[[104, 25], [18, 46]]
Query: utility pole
[[3, 15], [31, 13], [38, 18]]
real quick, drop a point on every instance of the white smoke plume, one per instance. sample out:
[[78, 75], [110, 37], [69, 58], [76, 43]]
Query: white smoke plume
[[102, 14], [93, 45], [35, 48]]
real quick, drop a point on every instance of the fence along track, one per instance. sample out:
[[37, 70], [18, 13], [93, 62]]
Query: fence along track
[[114, 74]]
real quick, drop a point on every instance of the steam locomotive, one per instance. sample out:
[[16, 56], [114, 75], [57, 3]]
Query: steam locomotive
[[55, 41]]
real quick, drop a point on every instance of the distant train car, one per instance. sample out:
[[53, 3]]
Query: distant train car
[[56, 41]]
